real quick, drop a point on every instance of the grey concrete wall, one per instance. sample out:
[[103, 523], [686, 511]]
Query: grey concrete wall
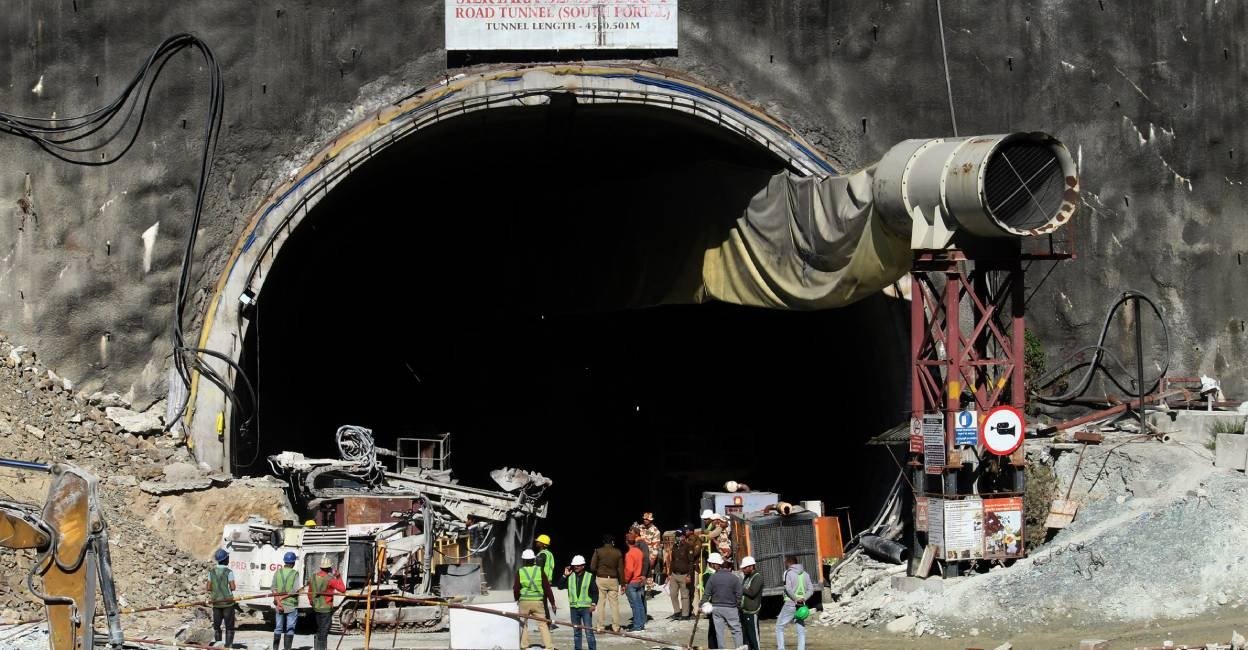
[[1148, 95]]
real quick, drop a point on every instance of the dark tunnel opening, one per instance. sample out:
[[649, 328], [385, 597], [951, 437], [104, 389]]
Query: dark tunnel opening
[[478, 278]]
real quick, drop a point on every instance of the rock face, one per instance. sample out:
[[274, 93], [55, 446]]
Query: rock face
[[193, 521], [1163, 174]]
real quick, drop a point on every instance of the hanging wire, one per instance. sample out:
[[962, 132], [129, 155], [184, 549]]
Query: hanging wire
[[78, 139], [944, 55]]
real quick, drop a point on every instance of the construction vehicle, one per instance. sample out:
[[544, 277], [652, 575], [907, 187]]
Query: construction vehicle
[[70, 538], [413, 533]]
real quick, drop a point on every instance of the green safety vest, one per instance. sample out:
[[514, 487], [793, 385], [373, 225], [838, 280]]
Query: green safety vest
[[800, 591], [219, 580], [578, 595], [531, 584], [286, 581], [746, 585], [548, 563], [321, 600]]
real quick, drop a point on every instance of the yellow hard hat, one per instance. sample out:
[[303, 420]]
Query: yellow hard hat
[[310, 523], [543, 539]]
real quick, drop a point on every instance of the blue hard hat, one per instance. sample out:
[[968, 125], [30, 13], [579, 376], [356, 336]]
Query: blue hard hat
[[221, 555], [289, 558]]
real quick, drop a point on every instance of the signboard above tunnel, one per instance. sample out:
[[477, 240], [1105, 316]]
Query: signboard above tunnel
[[560, 25]]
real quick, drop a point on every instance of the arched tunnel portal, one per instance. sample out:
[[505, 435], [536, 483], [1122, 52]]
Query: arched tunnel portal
[[499, 274]]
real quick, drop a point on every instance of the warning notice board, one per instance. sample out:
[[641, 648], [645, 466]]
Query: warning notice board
[[964, 529], [934, 443], [1003, 528], [956, 528], [560, 24]]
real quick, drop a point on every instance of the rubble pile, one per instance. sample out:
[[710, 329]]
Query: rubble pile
[[1158, 536], [42, 419]]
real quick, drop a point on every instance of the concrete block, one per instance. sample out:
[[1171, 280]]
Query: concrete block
[[1094, 644], [905, 584], [902, 624], [1232, 451]]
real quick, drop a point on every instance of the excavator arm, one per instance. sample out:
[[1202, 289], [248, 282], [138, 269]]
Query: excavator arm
[[71, 539]]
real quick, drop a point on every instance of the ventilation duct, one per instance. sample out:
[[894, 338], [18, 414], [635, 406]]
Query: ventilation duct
[[1013, 185]]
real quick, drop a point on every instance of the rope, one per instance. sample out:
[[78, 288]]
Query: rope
[[940, 17]]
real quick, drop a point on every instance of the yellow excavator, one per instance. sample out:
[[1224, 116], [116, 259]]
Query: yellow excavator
[[69, 534]]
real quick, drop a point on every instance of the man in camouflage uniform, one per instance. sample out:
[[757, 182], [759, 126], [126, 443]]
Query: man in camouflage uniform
[[649, 533], [722, 539]]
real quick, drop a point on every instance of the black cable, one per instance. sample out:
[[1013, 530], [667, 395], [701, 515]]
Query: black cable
[[69, 138], [1096, 363]]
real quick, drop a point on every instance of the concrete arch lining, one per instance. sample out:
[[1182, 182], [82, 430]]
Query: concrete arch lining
[[208, 417]]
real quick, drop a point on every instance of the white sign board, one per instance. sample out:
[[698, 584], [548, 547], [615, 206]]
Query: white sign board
[[934, 443], [561, 25], [475, 630], [1003, 430], [964, 529]]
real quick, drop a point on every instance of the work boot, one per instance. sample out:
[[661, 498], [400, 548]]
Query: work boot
[[290, 640], [277, 641]]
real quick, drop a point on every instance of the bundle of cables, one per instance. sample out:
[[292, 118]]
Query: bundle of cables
[[78, 139]]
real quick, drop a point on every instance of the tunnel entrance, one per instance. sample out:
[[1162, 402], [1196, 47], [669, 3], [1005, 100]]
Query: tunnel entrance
[[498, 275]]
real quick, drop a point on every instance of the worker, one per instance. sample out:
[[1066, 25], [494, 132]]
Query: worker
[[221, 586], [650, 534], [709, 531], [635, 583], [285, 600], [647, 582], [723, 537], [545, 560], [321, 589], [607, 565], [582, 600], [797, 586], [708, 570], [685, 556], [532, 591], [751, 601], [723, 594]]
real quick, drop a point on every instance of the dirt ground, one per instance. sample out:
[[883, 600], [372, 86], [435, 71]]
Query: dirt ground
[[1194, 633]]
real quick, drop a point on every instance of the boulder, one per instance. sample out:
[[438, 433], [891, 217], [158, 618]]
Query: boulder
[[137, 423], [902, 624]]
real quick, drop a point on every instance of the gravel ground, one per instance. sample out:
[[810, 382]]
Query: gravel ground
[[1160, 536]]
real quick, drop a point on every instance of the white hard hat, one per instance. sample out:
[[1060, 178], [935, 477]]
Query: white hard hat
[[719, 517], [714, 558], [528, 554], [747, 561], [578, 560], [707, 514], [707, 608], [730, 486]]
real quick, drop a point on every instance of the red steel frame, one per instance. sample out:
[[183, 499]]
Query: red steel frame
[[949, 360], [945, 359]]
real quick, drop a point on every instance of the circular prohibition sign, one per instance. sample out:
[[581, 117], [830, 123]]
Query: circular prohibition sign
[[1002, 430]]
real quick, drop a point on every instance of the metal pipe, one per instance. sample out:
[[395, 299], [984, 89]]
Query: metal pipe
[[23, 464], [884, 550]]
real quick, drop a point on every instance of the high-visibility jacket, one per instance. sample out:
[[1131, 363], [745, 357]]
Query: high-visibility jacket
[[531, 584], [322, 597], [286, 581], [219, 581], [578, 594], [547, 560]]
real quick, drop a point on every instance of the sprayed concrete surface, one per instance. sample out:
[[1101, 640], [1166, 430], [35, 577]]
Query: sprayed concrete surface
[[1145, 95]]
